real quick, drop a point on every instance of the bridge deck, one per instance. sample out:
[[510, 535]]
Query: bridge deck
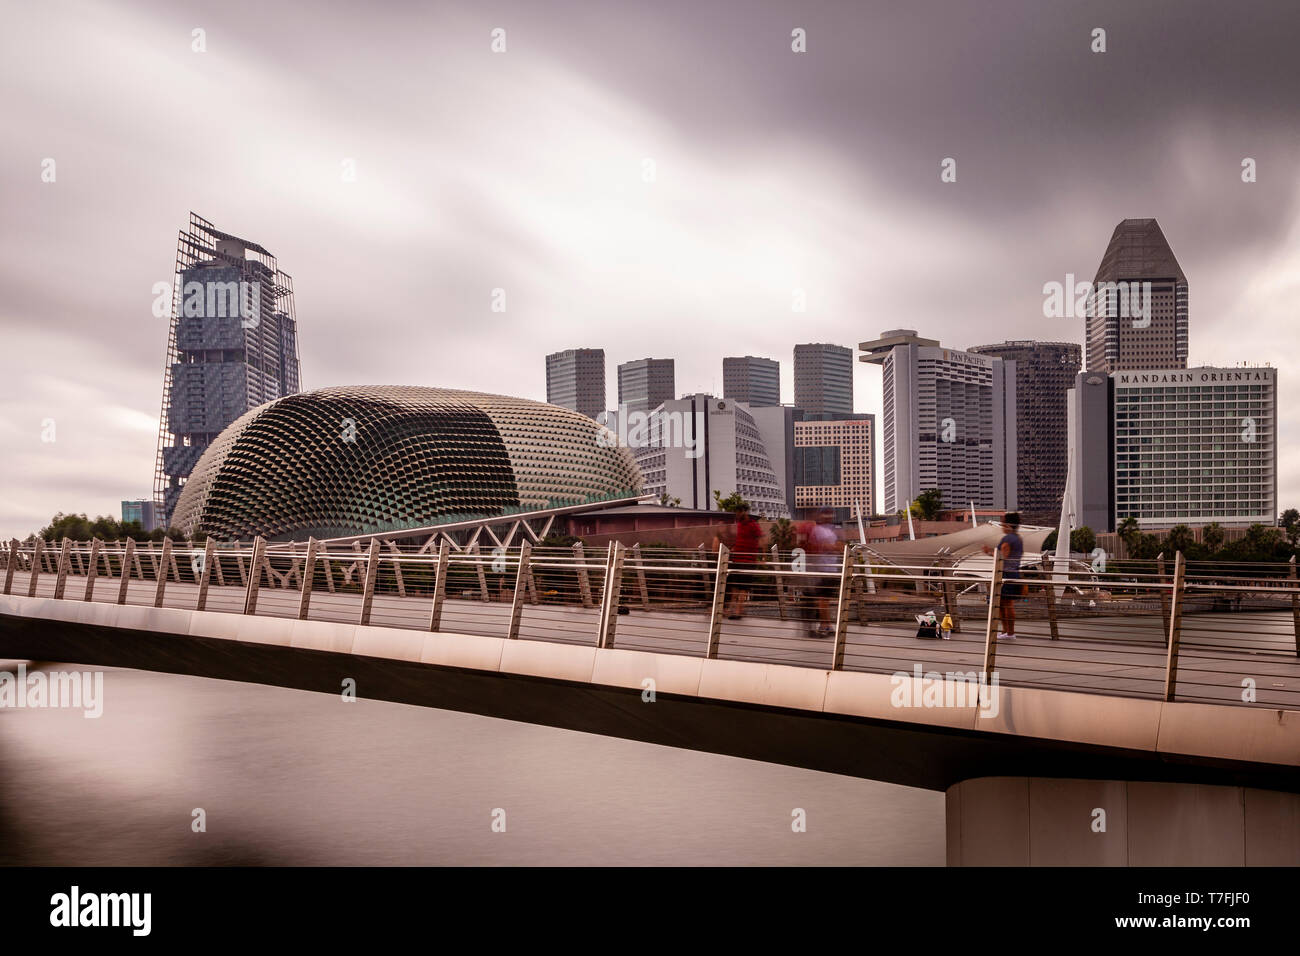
[[1115, 655]]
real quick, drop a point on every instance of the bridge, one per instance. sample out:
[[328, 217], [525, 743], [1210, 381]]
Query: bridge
[[1165, 695]]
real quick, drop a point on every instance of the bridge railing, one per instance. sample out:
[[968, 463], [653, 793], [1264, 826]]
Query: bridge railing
[[1166, 628]]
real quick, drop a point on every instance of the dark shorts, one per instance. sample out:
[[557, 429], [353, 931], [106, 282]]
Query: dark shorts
[[1012, 589], [823, 587], [738, 582]]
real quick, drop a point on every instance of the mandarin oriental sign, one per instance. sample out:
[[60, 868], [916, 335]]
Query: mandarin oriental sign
[[1197, 376]]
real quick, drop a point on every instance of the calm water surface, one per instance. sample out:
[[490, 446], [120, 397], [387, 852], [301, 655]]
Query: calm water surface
[[291, 777]]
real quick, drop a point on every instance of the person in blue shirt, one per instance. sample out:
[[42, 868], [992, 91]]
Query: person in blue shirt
[[1013, 549]]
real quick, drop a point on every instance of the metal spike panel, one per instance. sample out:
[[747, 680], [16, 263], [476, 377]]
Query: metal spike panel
[[370, 459]]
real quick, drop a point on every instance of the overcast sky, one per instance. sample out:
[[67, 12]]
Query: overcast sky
[[525, 170]]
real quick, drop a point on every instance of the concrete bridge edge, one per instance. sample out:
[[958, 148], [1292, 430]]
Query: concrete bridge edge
[[1035, 821]]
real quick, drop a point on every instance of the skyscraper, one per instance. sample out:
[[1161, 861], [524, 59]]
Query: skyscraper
[[700, 444], [949, 422], [1175, 446], [823, 379], [142, 510], [575, 378], [233, 345], [1045, 372], [646, 383], [752, 380], [1137, 311], [834, 465]]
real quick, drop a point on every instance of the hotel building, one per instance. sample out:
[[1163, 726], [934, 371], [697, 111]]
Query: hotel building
[[1175, 446], [949, 422]]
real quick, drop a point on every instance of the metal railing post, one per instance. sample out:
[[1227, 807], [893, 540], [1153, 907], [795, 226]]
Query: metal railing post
[[719, 600], [93, 570], [521, 586], [611, 594], [530, 582], [439, 585], [372, 575], [1049, 591], [164, 570], [205, 572], [61, 569], [254, 574], [1164, 596], [38, 557], [397, 569], [699, 560], [842, 609], [13, 565], [329, 573], [858, 585], [950, 606], [584, 579], [1295, 604], [308, 575], [995, 614], [128, 555], [482, 575], [1175, 625], [640, 577], [780, 582]]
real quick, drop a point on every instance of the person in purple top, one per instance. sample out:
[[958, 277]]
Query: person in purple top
[[1013, 549]]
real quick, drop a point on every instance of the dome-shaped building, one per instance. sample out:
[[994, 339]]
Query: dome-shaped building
[[364, 459]]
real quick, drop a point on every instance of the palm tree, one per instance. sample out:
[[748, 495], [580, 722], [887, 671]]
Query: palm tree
[[783, 535], [1129, 532], [1212, 535], [1290, 522], [1181, 538]]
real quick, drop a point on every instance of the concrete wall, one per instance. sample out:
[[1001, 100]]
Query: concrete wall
[[1035, 821]]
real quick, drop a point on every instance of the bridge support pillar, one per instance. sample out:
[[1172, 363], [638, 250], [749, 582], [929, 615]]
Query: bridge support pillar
[[1039, 821]]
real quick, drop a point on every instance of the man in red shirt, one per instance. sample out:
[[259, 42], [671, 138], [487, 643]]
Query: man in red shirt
[[744, 556]]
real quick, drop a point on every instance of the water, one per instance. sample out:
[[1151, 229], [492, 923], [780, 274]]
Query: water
[[291, 777]]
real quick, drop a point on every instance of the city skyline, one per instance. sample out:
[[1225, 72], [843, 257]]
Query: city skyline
[[395, 269]]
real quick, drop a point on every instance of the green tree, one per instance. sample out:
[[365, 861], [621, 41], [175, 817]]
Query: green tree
[[1263, 543], [1129, 532], [668, 501], [1212, 535], [732, 502], [106, 528], [1146, 547], [928, 505], [784, 535], [1290, 522], [1181, 538], [1083, 539]]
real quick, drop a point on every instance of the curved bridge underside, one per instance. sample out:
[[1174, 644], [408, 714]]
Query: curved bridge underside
[[839, 722]]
